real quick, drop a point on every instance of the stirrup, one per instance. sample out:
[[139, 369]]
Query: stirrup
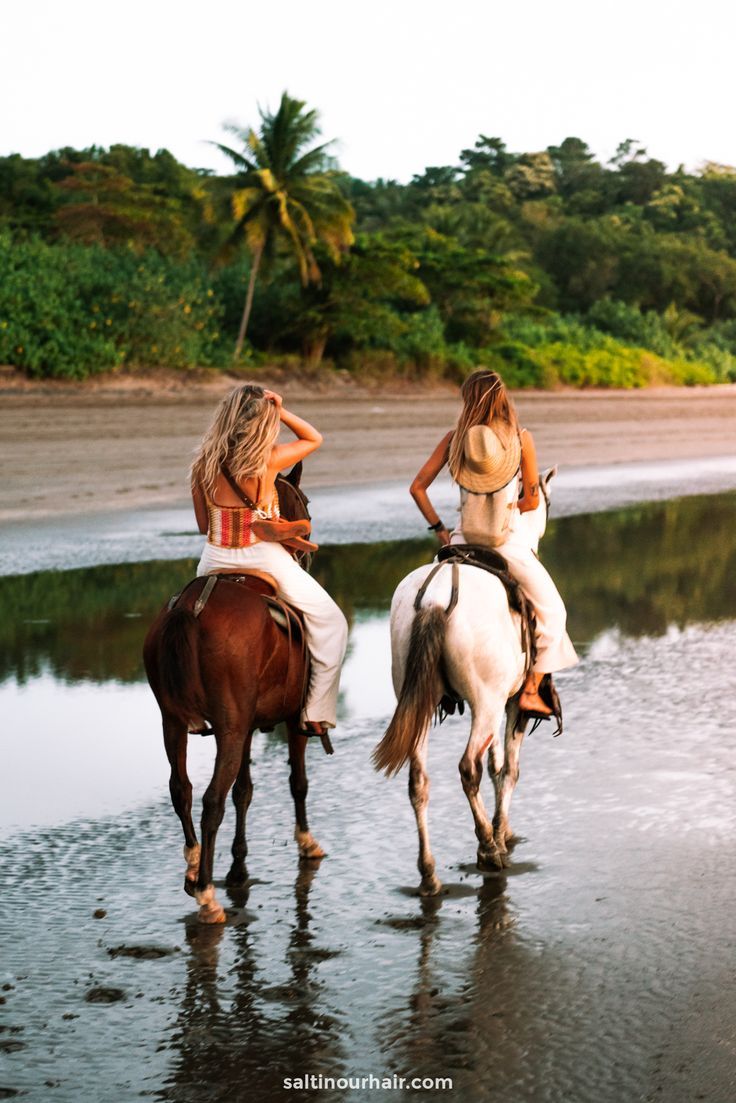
[[323, 736], [549, 695], [535, 714]]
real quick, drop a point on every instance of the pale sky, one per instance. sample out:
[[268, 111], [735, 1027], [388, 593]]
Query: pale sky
[[401, 84]]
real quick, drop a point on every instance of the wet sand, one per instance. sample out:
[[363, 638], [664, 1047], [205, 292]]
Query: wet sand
[[597, 968], [74, 451]]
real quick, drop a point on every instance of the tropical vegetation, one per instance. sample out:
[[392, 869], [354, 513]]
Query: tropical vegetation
[[550, 265]]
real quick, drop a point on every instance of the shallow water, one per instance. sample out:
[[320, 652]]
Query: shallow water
[[598, 967], [342, 515]]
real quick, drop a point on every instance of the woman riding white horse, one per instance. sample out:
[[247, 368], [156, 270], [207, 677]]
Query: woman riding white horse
[[488, 455], [476, 651]]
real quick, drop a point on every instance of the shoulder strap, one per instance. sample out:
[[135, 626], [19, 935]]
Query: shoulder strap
[[235, 488]]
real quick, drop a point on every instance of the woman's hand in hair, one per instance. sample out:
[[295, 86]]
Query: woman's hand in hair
[[271, 396]]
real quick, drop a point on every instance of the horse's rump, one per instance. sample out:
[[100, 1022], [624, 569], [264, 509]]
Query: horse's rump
[[221, 627], [492, 561]]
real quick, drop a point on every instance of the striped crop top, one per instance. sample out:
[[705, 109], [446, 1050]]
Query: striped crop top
[[230, 526]]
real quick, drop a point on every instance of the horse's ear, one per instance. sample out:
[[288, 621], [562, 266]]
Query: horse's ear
[[295, 475], [549, 475]]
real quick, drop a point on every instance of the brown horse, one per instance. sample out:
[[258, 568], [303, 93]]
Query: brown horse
[[235, 668]]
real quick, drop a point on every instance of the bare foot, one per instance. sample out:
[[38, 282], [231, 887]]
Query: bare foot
[[532, 702]]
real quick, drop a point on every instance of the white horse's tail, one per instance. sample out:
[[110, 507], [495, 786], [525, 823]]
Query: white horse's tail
[[417, 701]]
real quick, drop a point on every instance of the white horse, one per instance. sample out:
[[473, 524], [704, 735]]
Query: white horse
[[477, 652]]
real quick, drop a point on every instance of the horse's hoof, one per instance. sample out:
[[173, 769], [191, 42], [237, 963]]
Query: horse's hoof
[[309, 848], [211, 914], [236, 878], [189, 886], [311, 853], [490, 859], [209, 910], [430, 886]]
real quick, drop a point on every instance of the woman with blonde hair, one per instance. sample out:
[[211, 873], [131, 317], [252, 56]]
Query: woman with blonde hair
[[234, 484], [492, 459]]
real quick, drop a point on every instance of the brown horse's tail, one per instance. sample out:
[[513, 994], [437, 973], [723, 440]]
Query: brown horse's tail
[[180, 681], [416, 702]]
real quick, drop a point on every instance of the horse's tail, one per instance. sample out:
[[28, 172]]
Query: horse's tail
[[416, 702], [181, 690]]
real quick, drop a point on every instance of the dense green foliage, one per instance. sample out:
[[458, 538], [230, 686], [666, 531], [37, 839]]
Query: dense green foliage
[[548, 265], [71, 310]]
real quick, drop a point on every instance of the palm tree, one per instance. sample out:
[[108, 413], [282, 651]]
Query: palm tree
[[286, 192]]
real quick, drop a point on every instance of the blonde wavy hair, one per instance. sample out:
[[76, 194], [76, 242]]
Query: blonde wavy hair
[[485, 402], [242, 435]]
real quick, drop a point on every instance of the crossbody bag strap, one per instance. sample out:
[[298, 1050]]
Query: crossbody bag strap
[[235, 488]]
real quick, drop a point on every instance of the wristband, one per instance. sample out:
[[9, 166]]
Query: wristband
[[436, 527]]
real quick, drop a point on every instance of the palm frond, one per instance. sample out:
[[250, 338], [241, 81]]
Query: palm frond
[[238, 158], [314, 160], [287, 188]]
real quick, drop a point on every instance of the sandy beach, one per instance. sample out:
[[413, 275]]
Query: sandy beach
[[595, 967], [107, 447]]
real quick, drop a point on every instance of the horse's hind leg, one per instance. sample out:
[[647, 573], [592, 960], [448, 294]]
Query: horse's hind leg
[[419, 797], [180, 787], [483, 733], [227, 764], [242, 796], [505, 779], [309, 848]]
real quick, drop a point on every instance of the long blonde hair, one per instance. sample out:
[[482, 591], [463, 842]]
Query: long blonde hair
[[242, 435], [485, 400]]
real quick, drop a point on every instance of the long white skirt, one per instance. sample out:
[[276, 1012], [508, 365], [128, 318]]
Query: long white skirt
[[326, 627]]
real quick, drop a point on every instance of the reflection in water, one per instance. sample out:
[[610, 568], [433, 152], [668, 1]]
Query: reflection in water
[[445, 1027], [639, 569], [250, 1032]]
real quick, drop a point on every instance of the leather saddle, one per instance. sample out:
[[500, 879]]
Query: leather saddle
[[286, 616], [490, 560]]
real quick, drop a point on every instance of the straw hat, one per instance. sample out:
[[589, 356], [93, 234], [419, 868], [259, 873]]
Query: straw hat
[[491, 458]]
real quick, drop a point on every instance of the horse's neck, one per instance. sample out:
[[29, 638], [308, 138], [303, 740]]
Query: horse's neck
[[290, 501]]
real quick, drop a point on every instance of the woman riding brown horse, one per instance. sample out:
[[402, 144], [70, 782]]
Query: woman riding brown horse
[[227, 662]]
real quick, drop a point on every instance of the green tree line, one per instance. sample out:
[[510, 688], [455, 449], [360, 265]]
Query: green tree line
[[550, 265]]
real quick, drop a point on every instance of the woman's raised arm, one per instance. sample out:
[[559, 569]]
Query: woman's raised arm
[[424, 479], [309, 439]]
